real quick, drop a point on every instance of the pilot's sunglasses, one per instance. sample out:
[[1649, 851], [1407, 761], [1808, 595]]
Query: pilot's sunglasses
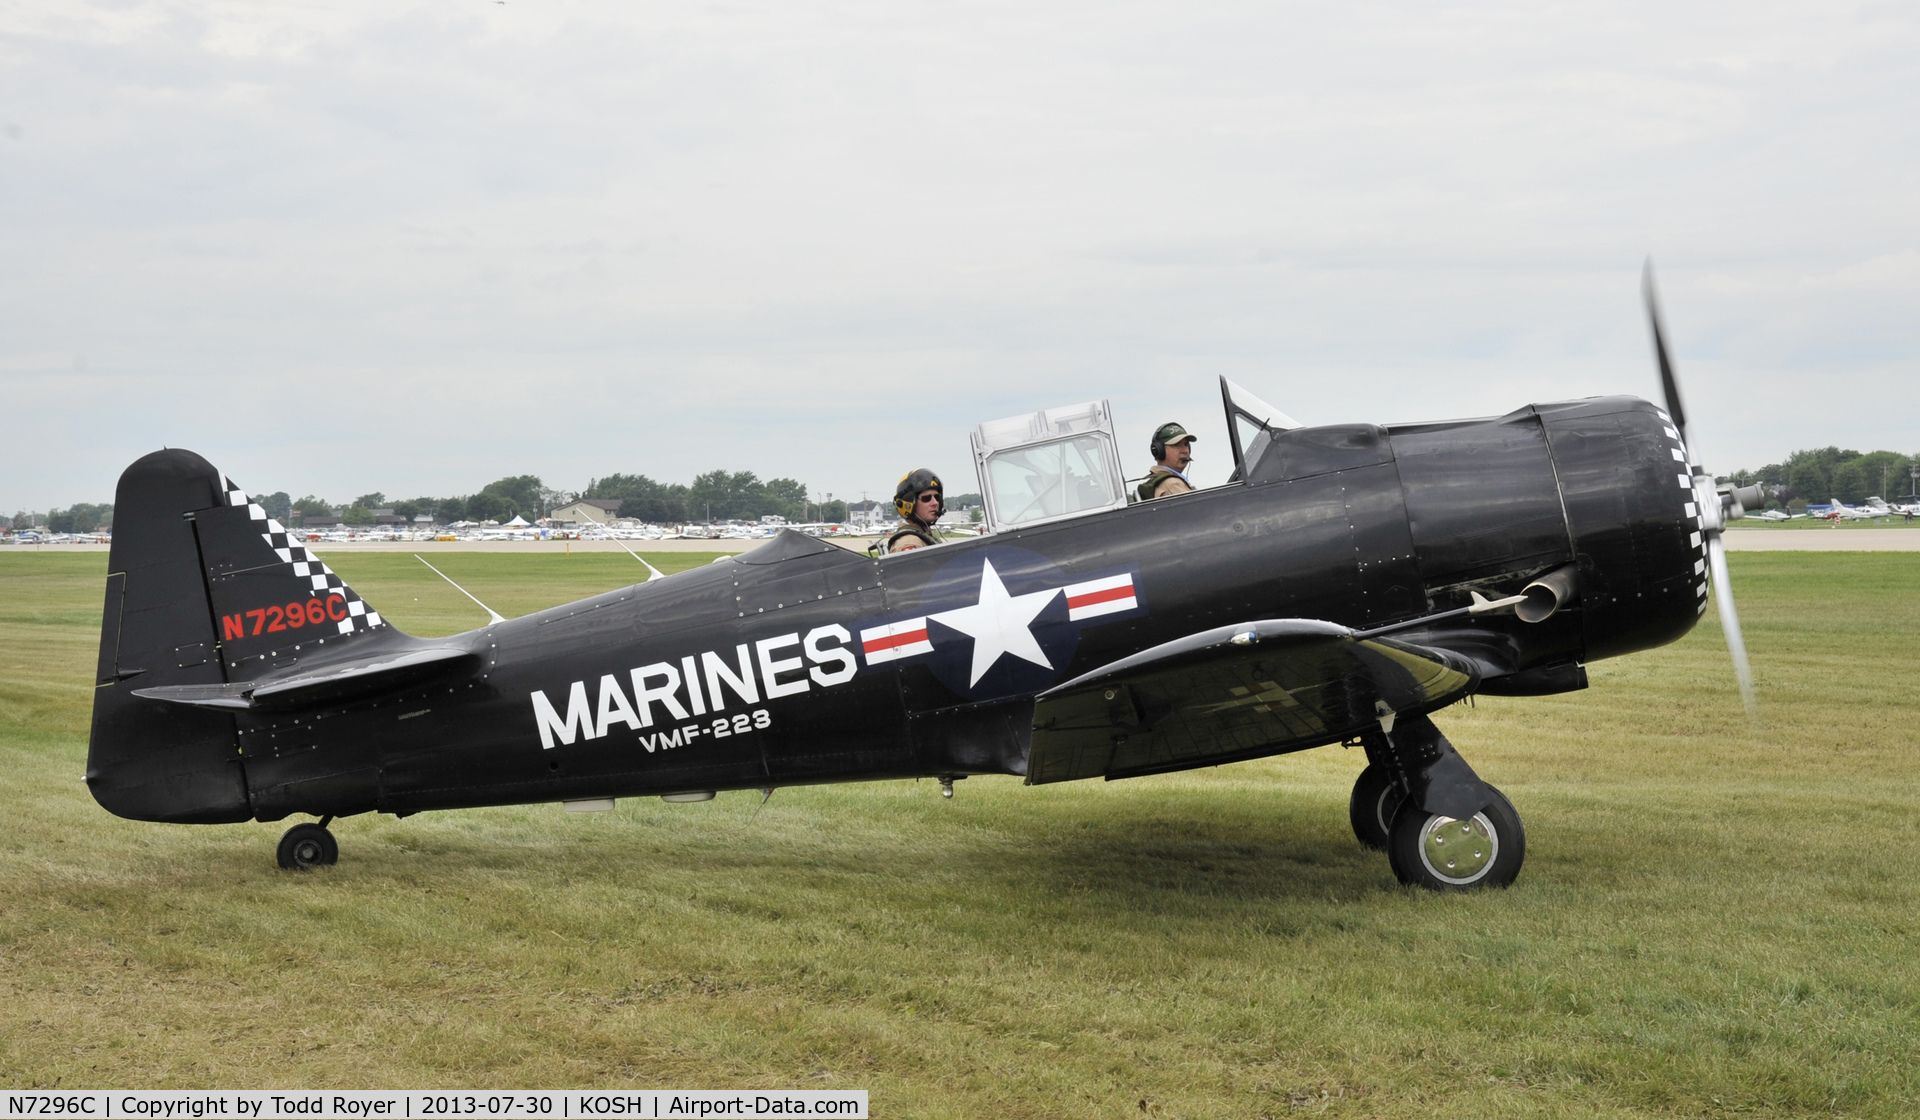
[[929, 497]]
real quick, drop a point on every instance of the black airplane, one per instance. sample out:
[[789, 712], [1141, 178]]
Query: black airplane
[[1347, 583]]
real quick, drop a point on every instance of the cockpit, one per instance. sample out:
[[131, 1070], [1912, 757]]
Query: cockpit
[[1064, 462], [1048, 465]]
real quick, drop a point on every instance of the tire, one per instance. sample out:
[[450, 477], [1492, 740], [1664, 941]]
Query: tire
[[307, 846], [1372, 807], [1415, 847]]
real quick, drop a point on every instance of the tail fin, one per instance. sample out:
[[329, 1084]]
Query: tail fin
[[203, 588], [270, 596], [161, 762]]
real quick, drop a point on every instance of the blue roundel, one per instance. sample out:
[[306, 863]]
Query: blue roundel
[[997, 621]]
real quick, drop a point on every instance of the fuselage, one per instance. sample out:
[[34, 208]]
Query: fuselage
[[801, 662]]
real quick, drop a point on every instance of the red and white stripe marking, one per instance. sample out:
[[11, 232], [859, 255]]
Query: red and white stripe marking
[[895, 640], [1096, 597]]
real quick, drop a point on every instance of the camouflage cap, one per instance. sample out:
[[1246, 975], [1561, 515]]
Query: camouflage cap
[[1170, 434]]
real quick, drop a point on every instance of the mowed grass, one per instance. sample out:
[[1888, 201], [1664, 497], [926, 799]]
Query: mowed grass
[[1712, 920]]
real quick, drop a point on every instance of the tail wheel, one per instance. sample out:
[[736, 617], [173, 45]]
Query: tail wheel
[[1441, 853], [1372, 807], [307, 846]]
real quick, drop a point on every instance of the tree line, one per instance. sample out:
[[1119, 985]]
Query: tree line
[[1821, 474], [522, 495], [713, 496], [716, 496], [80, 517], [724, 496]]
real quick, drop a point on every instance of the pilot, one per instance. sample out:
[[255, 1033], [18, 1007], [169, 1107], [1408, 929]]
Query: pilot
[[920, 500], [1172, 450]]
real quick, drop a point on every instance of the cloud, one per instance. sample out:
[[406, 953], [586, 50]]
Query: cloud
[[415, 247]]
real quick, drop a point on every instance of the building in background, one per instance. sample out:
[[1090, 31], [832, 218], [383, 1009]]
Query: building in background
[[599, 511], [873, 515]]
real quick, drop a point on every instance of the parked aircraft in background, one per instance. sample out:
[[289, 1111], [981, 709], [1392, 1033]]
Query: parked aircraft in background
[[1880, 507], [1838, 510]]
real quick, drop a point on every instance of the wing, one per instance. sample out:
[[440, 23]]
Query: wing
[[1233, 693]]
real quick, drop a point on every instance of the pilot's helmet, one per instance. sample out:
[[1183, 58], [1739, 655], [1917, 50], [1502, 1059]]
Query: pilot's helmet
[[911, 484], [1168, 434]]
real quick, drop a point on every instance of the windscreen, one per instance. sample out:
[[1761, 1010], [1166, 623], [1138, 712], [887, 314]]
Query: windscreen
[[1051, 479], [1252, 423]]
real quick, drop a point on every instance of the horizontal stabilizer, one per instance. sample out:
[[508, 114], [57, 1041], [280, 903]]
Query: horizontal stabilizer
[[1236, 692], [316, 686]]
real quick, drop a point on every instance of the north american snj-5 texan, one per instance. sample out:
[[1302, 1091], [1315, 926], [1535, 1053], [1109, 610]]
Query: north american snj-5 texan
[[1348, 582]]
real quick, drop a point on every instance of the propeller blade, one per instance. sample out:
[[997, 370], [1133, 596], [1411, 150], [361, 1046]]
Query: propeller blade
[[1669, 384], [1730, 623], [1712, 512]]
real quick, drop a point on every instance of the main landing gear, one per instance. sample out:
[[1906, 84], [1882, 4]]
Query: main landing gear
[[1441, 826], [307, 846], [1443, 853]]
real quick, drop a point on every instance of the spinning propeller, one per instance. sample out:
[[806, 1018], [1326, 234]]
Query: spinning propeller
[[1716, 503]]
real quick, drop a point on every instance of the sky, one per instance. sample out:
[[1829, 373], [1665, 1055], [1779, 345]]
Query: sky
[[414, 248]]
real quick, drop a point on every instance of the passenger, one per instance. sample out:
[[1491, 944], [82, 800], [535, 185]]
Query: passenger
[[1172, 450], [920, 500]]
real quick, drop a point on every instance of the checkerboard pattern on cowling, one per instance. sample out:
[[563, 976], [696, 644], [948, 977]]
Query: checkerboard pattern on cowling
[[305, 564], [1692, 509]]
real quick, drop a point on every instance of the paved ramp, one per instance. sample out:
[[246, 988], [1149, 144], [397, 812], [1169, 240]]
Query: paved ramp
[[1844, 539]]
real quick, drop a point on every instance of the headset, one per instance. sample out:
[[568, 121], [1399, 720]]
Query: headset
[[1158, 448], [908, 491]]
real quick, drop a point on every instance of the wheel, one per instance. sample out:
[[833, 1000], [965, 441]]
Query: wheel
[[1371, 808], [1443, 854], [307, 846]]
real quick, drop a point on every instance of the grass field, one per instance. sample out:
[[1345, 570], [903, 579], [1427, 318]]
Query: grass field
[[1712, 920]]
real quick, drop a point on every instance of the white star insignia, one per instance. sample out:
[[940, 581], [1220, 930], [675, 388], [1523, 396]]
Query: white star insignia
[[999, 623]]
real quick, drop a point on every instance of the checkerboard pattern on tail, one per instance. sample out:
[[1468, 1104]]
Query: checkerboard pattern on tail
[[305, 564]]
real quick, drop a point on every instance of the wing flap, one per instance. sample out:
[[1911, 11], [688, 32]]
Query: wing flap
[[1233, 693], [339, 681]]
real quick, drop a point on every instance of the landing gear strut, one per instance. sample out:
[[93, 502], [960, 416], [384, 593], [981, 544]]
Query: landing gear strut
[[307, 846], [1442, 827]]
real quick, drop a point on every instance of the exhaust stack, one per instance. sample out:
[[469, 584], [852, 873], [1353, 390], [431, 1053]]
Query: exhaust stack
[[1543, 597]]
